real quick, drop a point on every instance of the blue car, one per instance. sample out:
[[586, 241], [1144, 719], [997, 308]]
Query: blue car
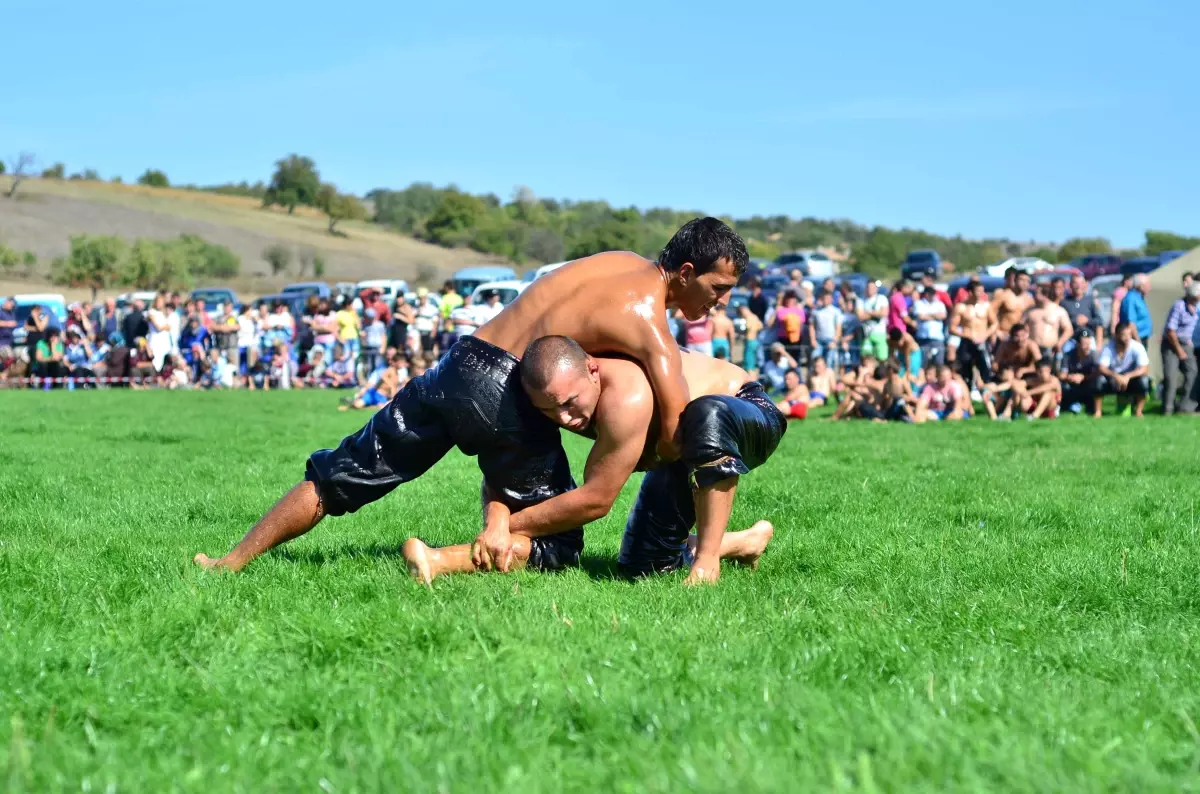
[[920, 262], [467, 279]]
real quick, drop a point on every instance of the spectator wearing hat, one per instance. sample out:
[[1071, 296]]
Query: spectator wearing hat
[[1134, 309], [1124, 370], [1179, 352]]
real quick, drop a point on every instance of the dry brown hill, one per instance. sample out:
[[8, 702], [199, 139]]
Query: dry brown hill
[[47, 212]]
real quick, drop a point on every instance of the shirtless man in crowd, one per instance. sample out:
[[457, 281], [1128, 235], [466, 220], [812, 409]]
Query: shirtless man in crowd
[[973, 324], [729, 428], [472, 399], [1019, 353], [1010, 302], [1049, 326]]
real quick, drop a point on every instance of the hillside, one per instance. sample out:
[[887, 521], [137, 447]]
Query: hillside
[[47, 212]]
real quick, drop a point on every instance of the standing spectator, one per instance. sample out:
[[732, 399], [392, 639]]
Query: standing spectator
[[1134, 309], [906, 353], [898, 318], [376, 302], [201, 311], [698, 335], [930, 313], [450, 300], [830, 289], [722, 333], [374, 341], [1118, 297], [1179, 352], [1124, 370], [106, 322], [943, 297], [325, 327], [281, 326], [789, 323], [874, 313], [247, 340], [159, 337], [852, 336], [134, 326], [8, 325], [225, 330], [118, 362], [402, 320], [1080, 368], [428, 315], [750, 347], [1049, 326], [758, 301], [348, 328], [175, 318], [77, 318], [1187, 279], [1082, 310], [971, 326], [825, 330]]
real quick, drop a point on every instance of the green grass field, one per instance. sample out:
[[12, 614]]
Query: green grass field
[[959, 607]]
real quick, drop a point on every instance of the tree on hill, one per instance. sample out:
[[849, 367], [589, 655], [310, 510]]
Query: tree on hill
[[1157, 242], [339, 206], [20, 167], [457, 214], [56, 171], [278, 257], [94, 261], [154, 178], [296, 181], [1078, 246]]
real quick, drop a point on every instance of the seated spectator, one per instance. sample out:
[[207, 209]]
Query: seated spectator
[[119, 361], [77, 356], [1124, 371], [216, 371], [1080, 369], [863, 398], [776, 367], [1018, 352], [940, 400], [822, 384], [1043, 392], [176, 372], [313, 371], [48, 356], [897, 401], [341, 371], [141, 364], [381, 387], [279, 369], [194, 343], [794, 404], [1001, 397]]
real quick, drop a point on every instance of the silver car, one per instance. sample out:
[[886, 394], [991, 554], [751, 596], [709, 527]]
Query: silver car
[[1101, 289]]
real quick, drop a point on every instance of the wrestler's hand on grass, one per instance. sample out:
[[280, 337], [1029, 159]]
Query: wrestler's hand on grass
[[704, 571]]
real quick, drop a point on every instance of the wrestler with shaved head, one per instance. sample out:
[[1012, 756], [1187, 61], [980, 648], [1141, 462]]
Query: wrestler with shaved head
[[612, 302], [729, 428]]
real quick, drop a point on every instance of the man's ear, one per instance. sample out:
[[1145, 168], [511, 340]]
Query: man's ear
[[593, 368], [686, 272]]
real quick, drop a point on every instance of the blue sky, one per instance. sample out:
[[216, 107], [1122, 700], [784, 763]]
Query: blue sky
[[1031, 120]]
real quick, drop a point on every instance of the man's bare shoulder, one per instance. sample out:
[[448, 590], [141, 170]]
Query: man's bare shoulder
[[625, 391]]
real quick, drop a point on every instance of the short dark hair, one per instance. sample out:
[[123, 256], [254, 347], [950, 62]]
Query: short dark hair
[[1016, 328], [1123, 324], [545, 356], [1187, 274], [1057, 280], [1012, 271], [704, 242], [973, 283]]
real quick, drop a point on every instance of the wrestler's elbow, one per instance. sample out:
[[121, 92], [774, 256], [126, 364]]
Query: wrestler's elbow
[[595, 503]]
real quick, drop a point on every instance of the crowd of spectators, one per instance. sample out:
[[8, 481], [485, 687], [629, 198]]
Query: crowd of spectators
[[354, 342], [915, 354], [919, 354]]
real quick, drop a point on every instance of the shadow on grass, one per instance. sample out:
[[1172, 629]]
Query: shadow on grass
[[318, 557]]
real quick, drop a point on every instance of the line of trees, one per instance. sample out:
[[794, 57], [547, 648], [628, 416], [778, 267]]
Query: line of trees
[[102, 261], [528, 229]]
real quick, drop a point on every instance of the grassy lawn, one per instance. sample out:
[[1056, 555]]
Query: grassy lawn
[[957, 607]]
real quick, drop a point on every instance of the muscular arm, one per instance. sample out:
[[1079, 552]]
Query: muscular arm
[[1065, 330], [650, 342], [620, 440]]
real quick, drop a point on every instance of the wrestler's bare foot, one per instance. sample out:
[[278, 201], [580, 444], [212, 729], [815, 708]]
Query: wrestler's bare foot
[[208, 563], [416, 556], [747, 546]]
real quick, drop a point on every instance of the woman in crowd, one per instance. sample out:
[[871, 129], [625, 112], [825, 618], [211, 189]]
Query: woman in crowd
[[789, 323], [398, 330], [159, 340], [324, 326], [247, 339], [77, 355], [905, 351]]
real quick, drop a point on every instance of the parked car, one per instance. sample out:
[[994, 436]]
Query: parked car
[[509, 289], [738, 297], [858, 282], [1030, 264], [1092, 265], [920, 262], [53, 304], [812, 264], [347, 289], [126, 299], [215, 295], [771, 286], [536, 273], [388, 288], [990, 283], [294, 300], [467, 279], [1101, 289], [307, 288], [1065, 273]]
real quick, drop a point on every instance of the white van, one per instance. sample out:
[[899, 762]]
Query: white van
[[388, 288]]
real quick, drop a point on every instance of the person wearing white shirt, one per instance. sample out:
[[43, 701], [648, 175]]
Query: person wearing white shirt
[[1124, 371], [159, 339], [930, 314]]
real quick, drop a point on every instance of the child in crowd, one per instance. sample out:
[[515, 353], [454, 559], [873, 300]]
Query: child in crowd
[[822, 384], [313, 372], [999, 397], [341, 371], [374, 339], [1043, 392], [940, 400], [279, 371]]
